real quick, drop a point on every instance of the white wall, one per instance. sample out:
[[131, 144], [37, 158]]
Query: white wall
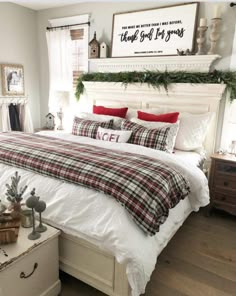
[[19, 46], [101, 22]]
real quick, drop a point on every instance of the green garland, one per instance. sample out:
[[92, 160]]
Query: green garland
[[158, 79]]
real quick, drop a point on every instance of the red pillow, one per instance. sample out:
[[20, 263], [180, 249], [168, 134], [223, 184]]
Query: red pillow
[[168, 117], [119, 112]]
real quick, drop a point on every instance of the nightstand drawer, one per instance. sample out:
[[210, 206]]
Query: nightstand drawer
[[226, 168], [35, 273], [225, 182], [224, 197]]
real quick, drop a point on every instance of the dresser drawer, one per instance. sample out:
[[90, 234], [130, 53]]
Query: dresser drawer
[[225, 182], [224, 197], [226, 168], [34, 274]]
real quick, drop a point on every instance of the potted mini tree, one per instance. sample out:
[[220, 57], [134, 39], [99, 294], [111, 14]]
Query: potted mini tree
[[14, 196]]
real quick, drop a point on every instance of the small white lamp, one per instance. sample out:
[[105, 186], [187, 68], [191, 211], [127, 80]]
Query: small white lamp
[[232, 121], [62, 98]]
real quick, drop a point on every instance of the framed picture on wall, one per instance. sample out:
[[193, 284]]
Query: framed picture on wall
[[12, 80], [153, 32]]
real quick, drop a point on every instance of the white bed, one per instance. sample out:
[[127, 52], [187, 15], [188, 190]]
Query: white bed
[[105, 248], [100, 220]]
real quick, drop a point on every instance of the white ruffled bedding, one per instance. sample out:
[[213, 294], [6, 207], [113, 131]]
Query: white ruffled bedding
[[101, 220]]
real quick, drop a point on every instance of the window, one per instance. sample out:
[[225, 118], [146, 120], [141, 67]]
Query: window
[[79, 54], [79, 37]]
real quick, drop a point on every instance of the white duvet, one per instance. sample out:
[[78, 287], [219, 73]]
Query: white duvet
[[101, 220]]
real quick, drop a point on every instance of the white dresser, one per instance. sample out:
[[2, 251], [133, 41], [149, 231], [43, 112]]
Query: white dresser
[[30, 268]]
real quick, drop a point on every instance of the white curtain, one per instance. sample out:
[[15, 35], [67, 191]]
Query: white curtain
[[25, 119], [24, 116], [5, 119], [60, 64]]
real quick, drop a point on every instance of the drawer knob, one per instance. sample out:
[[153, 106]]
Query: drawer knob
[[226, 183], [24, 276]]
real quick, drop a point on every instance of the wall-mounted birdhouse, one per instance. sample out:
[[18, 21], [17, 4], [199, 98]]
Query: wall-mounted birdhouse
[[94, 48], [103, 50]]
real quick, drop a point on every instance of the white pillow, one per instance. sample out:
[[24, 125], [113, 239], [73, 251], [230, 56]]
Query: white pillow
[[102, 118], [192, 131], [111, 135], [174, 127]]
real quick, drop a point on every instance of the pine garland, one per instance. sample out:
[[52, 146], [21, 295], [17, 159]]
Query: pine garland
[[158, 79]]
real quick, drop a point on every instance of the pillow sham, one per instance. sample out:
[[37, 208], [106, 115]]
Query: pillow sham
[[192, 131], [119, 112], [88, 128], [168, 117], [113, 135], [99, 117], [151, 138], [174, 127]]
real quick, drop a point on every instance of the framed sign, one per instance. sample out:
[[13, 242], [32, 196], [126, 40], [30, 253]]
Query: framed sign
[[12, 80], [152, 32]]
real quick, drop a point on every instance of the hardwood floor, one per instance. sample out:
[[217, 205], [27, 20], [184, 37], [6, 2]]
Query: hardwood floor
[[200, 260]]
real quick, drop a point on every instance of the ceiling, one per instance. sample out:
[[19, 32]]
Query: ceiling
[[45, 4]]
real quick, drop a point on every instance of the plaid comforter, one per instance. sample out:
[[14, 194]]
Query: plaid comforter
[[146, 187]]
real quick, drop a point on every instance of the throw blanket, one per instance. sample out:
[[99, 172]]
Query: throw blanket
[[147, 188]]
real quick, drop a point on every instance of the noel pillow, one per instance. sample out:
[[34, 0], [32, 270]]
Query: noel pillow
[[113, 135]]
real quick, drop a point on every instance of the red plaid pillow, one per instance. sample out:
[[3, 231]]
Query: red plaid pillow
[[151, 138], [88, 128]]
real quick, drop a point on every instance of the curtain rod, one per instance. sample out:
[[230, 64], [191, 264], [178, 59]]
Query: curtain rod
[[67, 26], [232, 4]]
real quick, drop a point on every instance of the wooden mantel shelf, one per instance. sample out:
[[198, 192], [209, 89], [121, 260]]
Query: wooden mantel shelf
[[193, 63]]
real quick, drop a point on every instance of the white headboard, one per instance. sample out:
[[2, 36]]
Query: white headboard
[[192, 98]]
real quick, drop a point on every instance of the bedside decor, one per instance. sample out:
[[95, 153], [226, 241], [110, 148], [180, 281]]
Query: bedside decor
[[50, 121], [9, 229], [3, 208], [232, 121], [62, 103], [12, 80], [31, 203], [40, 207], [94, 48], [152, 32], [14, 196], [201, 38], [26, 218]]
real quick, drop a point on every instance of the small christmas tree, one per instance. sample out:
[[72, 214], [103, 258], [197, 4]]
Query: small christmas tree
[[12, 190]]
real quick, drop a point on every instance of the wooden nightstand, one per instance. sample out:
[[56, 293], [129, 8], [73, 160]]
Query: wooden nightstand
[[222, 182], [40, 129], [30, 267]]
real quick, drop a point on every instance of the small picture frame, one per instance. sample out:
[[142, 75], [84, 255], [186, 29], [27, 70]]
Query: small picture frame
[[12, 80]]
